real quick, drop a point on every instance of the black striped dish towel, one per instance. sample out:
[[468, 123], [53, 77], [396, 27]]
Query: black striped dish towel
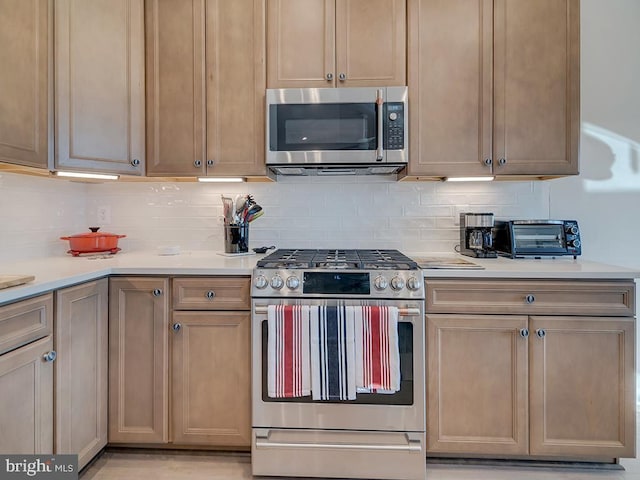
[[333, 358]]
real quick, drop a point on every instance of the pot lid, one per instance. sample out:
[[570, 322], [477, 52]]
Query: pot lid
[[93, 233]]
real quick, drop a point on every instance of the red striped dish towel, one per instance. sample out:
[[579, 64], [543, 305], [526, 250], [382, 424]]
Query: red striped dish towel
[[333, 354], [288, 368], [377, 352]]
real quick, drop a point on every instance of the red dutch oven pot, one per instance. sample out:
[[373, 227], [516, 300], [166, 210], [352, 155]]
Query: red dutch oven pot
[[93, 242]]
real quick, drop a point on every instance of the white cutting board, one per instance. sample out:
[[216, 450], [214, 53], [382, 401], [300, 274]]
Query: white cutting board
[[13, 280]]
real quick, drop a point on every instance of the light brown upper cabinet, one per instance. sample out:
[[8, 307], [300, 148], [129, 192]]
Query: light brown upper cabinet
[[494, 87], [26, 113], [99, 56], [205, 87], [336, 43]]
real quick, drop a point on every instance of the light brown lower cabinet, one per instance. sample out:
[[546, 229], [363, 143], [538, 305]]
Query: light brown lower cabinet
[[26, 376], [81, 329], [210, 376], [138, 360], [184, 382], [26, 396], [531, 385]]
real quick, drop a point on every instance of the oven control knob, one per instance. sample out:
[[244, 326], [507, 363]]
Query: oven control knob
[[393, 116], [293, 282], [574, 243], [380, 283], [397, 283], [572, 229], [261, 282], [276, 282], [413, 284]]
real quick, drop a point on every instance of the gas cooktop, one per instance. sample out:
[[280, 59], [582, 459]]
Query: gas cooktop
[[338, 260]]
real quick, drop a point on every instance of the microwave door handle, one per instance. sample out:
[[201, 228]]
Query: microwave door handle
[[379, 104]]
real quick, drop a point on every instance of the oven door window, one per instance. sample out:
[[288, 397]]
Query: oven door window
[[539, 238], [333, 126], [404, 396]]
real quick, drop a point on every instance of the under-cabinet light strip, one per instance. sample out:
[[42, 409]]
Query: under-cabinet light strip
[[95, 176]]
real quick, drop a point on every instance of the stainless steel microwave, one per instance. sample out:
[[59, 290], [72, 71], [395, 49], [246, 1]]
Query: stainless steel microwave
[[337, 130]]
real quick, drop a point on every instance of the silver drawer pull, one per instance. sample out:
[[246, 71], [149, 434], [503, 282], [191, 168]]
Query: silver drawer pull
[[524, 332], [529, 299], [403, 312], [410, 447], [176, 327], [210, 294], [541, 333]]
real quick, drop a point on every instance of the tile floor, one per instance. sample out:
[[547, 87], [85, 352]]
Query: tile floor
[[132, 465]]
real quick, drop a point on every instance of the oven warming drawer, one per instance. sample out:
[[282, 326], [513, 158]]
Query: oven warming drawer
[[342, 454]]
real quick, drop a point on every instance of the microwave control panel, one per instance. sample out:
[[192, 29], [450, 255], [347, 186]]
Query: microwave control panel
[[393, 124]]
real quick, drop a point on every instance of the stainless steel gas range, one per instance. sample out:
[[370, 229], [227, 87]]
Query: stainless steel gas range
[[375, 435]]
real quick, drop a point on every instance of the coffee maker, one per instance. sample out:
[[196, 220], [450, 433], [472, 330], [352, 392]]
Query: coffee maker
[[476, 235]]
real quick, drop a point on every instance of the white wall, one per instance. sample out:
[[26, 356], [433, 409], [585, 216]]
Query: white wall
[[308, 212], [35, 212], [605, 198]]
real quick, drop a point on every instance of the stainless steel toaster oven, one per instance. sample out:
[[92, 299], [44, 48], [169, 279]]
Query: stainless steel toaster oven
[[537, 238]]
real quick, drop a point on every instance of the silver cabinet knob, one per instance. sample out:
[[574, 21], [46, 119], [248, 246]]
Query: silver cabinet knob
[[529, 299], [135, 162], [197, 163], [329, 76], [541, 333], [342, 77], [502, 161], [210, 294], [524, 332], [209, 163], [49, 356], [488, 162], [157, 292], [176, 327]]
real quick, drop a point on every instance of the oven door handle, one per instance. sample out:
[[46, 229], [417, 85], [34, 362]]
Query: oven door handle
[[403, 312], [411, 446]]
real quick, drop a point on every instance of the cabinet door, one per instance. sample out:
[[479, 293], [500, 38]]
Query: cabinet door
[[582, 373], [138, 360], [26, 119], [235, 43], [477, 384], [99, 53], [537, 87], [176, 87], [26, 396], [371, 43], [301, 43], [450, 87], [81, 339], [211, 371]]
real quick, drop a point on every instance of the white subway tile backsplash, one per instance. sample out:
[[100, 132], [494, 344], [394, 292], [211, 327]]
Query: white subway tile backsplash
[[300, 212]]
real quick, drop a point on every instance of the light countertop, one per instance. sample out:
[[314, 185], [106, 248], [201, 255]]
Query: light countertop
[[59, 272]]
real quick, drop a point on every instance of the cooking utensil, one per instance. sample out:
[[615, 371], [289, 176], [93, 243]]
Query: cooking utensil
[[93, 242], [252, 217], [251, 211]]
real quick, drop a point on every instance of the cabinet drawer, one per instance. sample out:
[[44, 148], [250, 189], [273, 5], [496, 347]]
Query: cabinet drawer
[[25, 321], [609, 298], [212, 293]]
